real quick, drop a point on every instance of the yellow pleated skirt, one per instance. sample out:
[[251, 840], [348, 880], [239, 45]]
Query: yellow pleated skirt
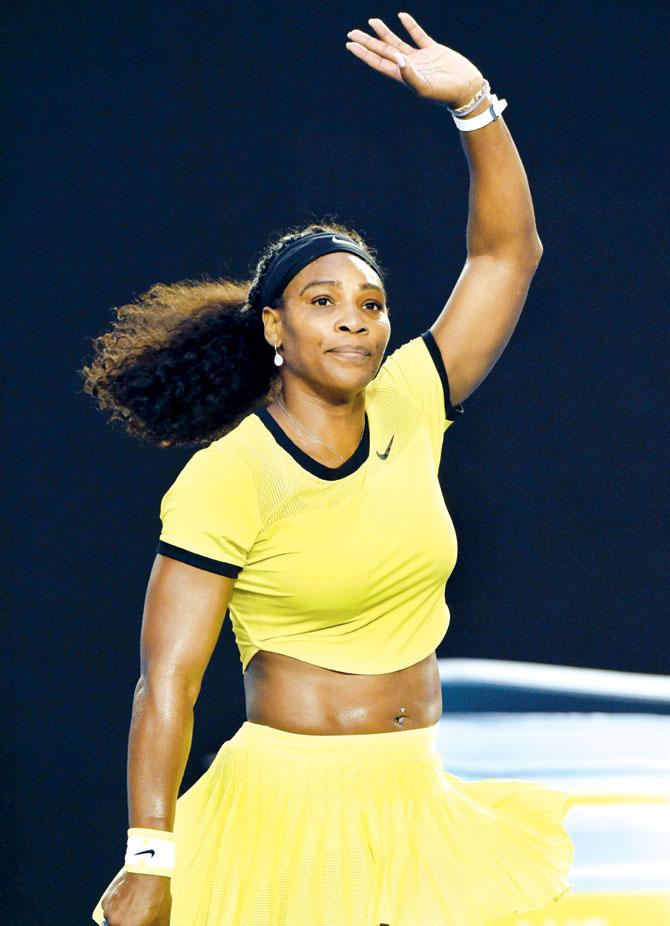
[[292, 829]]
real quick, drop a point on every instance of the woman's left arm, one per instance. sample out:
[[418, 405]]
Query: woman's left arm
[[503, 248], [503, 251]]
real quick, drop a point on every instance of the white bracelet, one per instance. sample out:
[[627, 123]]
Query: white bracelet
[[464, 112], [150, 852], [476, 122], [484, 93]]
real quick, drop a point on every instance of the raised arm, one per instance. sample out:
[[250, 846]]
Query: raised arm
[[503, 248], [503, 252], [183, 613]]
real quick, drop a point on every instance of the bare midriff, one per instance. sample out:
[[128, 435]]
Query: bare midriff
[[299, 697]]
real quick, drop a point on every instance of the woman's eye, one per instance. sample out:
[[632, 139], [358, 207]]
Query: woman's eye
[[370, 302]]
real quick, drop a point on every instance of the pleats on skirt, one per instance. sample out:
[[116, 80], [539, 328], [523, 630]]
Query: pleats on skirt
[[292, 829]]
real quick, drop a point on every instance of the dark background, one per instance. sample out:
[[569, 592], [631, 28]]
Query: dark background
[[148, 142]]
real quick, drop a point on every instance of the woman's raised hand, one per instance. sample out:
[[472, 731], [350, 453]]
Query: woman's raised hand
[[433, 71]]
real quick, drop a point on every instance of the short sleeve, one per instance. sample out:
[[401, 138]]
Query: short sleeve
[[210, 513], [417, 370]]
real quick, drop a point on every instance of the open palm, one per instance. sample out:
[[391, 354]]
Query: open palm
[[433, 71]]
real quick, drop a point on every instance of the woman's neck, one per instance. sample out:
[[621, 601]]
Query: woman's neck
[[330, 438]]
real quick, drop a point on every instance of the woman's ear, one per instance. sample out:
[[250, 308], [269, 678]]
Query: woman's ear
[[269, 318]]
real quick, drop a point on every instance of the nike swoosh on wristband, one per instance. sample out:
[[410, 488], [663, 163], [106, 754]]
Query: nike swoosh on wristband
[[145, 851], [382, 456]]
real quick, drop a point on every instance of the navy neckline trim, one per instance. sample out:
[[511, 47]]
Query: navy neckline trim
[[359, 456]]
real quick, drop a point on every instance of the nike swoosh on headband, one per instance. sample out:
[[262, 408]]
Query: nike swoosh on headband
[[145, 851], [339, 240], [382, 456]]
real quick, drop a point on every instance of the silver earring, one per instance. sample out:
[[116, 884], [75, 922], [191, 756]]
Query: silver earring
[[278, 358]]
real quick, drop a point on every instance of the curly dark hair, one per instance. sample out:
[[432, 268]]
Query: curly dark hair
[[187, 361]]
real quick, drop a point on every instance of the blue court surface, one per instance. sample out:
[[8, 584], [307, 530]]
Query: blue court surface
[[604, 737]]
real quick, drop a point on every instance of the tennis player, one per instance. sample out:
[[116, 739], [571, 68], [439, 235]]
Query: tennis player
[[311, 513]]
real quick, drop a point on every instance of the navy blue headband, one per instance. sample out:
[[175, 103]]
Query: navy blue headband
[[297, 254]]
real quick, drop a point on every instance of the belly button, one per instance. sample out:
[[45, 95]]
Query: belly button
[[400, 719]]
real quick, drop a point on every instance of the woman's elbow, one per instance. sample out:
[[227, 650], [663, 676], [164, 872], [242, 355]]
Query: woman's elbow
[[167, 689]]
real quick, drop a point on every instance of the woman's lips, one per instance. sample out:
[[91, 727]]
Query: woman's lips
[[350, 354]]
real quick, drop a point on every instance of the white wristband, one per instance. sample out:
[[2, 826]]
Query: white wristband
[[489, 115], [150, 852]]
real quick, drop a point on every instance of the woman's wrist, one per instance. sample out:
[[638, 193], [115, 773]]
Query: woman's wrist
[[150, 852], [150, 882], [481, 107], [470, 90]]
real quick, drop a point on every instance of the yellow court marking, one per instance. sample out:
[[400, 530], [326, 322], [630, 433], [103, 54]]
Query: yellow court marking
[[620, 799], [603, 909]]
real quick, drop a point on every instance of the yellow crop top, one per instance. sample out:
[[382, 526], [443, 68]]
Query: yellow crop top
[[340, 567]]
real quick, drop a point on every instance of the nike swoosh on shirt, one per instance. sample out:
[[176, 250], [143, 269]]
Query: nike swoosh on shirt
[[382, 456], [146, 851]]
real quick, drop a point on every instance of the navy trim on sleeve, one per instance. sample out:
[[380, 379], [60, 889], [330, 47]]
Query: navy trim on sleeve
[[196, 559], [451, 411]]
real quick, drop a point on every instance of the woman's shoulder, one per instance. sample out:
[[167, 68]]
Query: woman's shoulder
[[234, 441], [223, 460]]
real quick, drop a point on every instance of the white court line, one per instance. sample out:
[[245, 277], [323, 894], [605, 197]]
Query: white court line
[[544, 677], [631, 871]]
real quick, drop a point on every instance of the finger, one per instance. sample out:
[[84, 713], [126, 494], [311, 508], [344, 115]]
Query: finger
[[390, 37], [422, 39], [383, 50], [375, 61]]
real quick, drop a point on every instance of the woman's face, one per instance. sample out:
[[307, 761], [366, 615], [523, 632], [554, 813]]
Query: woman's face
[[335, 301]]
